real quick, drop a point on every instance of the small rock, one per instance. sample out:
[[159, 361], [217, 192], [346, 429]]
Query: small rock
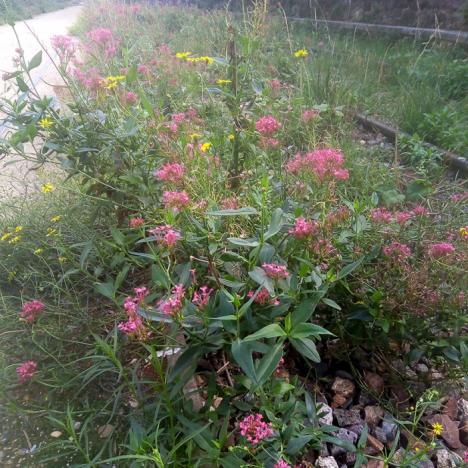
[[345, 435], [463, 431], [425, 464], [55, 434], [105, 430], [326, 462], [326, 414], [400, 395], [366, 399], [373, 415], [436, 375], [350, 458], [390, 429], [374, 446], [450, 432], [380, 434], [450, 408], [462, 409], [375, 382], [343, 389], [375, 464], [398, 456], [421, 368], [346, 418], [324, 450], [357, 428], [444, 459], [76, 425]]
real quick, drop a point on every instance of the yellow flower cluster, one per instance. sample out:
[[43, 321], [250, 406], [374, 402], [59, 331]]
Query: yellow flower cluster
[[8, 236], [183, 55], [55, 219], [301, 53], [205, 58], [47, 188], [437, 429], [464, 232], [46, 123], [223, 82], [205, 147], [111, 82]]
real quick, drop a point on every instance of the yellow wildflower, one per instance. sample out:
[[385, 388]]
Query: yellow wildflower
[[111, 82], [51, 232], [301, 53], [204, 58], [464, 232], [183, 55], [38, 251], [15, 240], [437, 429], [231, 137], [223, 82], [46, 188], [18, 228], [6, 236], [62, 259], [46, 123], [205, 147], [55, 219], [195, 136]]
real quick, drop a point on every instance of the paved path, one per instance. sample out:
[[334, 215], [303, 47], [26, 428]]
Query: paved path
[[15, 179]]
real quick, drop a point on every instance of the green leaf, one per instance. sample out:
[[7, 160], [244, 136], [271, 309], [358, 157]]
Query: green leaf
[[269, 363], [349, 268], [270, 331], [246, 211], [260, 277], [305, 309], [306, 347], [118, 237], [243, 242], [35, 61], [131, 75], [106, 289], [22, 84], [242, 354], [296, 444], [304, 330], [331, 303], [276, 223]]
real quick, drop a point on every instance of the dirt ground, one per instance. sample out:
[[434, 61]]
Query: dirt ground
[[16, 178]]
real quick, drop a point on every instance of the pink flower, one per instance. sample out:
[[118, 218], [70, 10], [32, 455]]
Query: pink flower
[[202, 296], [397, 251], [403, 216], [440, 250], [255, 429], [143, 69], [173, 304], [175, 200], [281, 464], [133, 326], [170, 172], [381, 215], [130, 306], [309, 114], [465, 456], [458, 197], [166, 235], [100, 35], [230, 203], [130, 98], [65, 46], [323, 163], [303, 228], [141, 292], [419, 210], [26, 371], [275, 271], [178, 118], [263, 297], [267, 125], [31, 310], [136, 222], [275, 84]]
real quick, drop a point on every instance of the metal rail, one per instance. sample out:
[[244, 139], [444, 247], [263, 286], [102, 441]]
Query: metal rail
[[420, 33]]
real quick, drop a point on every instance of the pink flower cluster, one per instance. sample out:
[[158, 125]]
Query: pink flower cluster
[[397, 251], [303, 228], [26, 371], [136, 222], [281, 464], [440, 250], [31, 310], [104, 38], [338, 216], [202, 296], [267, 125], [90, 79], [129, 98], [263, 297], [173, 304], [383, 216], [309, 114], [134, 326], [170, 172], [175, 200], [65, 46], [166, 235], [275, 271], [323, 163], [230, 203], [254, 429], [458, 197]]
